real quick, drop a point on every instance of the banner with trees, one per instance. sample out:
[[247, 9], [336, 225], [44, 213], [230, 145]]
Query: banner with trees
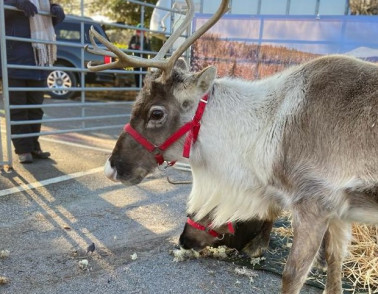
[[259, 46]]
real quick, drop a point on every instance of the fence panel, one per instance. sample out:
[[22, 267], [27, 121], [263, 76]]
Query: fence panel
[[240, 45], [69, 78]]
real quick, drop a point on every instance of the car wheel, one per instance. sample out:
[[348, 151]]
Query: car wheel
[[61, 80]]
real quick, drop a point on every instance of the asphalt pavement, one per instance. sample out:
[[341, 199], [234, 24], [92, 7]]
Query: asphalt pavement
[[52, 210]]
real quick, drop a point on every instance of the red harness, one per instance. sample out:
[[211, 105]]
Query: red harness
[[209, 230], [192, 127]]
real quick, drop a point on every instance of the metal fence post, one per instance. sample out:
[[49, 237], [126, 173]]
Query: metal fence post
[[82, 75], [5, 90], [142, 11]]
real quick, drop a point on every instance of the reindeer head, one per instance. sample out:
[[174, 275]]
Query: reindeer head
[[198, 235], [165, 104], [251, 236], [159, 111]]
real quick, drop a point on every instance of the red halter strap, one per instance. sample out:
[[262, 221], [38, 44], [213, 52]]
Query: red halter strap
[[231, 229], [192, 127], [203, 228], [208, 229], [191, 138]]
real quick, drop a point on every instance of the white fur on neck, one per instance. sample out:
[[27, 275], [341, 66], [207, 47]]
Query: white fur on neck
[[231, 172]]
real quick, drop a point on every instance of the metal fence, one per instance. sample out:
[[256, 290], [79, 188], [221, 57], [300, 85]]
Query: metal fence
[[84, 120], [303, 37]]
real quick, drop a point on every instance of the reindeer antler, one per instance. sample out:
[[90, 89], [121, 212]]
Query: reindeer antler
[[158, 61]]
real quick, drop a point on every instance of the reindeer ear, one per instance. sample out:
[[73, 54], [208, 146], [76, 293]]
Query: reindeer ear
[[181, 64], [206, 77]]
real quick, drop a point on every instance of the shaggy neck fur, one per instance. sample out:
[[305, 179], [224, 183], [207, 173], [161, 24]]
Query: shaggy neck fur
[[230, 175]]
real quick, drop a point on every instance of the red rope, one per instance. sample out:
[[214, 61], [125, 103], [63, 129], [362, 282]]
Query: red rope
[[192, 128], [202, 228]]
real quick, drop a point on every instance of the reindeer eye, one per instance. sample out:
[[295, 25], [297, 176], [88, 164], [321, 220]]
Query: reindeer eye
[[157, 114]]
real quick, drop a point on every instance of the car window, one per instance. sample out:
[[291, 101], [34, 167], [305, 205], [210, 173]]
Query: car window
[[70, 32], [68, 35]]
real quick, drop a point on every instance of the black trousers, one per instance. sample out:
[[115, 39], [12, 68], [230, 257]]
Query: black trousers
[[26, 145]]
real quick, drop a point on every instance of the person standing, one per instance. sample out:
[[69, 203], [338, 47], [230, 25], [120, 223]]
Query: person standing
[[136, 44], [27, 23]]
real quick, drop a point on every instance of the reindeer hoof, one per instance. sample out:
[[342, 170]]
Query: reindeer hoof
[[254, 251]]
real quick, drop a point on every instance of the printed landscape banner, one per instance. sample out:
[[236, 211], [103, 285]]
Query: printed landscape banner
[[255, 47]]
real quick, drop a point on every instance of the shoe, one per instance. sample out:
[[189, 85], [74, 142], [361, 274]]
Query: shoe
[[40, 154], [25, 158]]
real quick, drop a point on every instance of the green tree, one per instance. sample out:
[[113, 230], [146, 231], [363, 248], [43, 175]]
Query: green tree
[[123, 11], [363, 7]]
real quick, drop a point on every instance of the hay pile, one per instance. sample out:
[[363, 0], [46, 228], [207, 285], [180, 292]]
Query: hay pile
[[221, 252], [4, 280], [361, 266], [4, 254], [182, 254]]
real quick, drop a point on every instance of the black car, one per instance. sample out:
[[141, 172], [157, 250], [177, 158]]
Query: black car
[[67, 56]]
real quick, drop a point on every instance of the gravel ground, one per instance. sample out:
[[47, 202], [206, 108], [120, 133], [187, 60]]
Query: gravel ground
[[47, 231]]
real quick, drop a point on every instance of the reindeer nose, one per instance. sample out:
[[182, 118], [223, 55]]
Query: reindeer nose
[[182, 243], [187, 243], [110, 172]]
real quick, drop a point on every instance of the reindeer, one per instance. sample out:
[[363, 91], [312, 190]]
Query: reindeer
[[305, 140], [250, 237]]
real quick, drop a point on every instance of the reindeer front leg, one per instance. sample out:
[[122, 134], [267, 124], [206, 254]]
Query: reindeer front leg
[[336, 242], [257, 246], [309, 229]]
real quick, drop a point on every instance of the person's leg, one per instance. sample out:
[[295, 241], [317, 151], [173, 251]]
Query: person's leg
[[21, 145], [137, 76], [36, 98]]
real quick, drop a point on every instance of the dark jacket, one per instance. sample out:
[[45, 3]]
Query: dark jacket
[[135, 44], [20, 53]]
